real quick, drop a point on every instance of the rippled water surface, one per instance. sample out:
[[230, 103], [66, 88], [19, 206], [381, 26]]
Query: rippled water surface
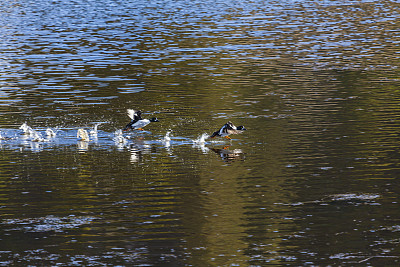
[[313, 181]]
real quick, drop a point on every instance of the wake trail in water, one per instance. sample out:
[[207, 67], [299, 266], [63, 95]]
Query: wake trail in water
[[91, 137]]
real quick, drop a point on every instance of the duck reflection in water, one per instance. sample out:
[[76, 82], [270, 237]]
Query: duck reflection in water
[[83, 146], [229, 154], [83, 140], [136, 154], [119, 139], [138, 149]]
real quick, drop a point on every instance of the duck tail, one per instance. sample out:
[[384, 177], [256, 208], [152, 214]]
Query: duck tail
[[214, 135], [128, 127]]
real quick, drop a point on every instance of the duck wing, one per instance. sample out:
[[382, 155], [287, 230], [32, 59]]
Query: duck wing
[[220, 132], [134, 115], [131, 113], [214, 134], [138, 115]]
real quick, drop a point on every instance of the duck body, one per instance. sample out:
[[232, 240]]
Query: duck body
[[137, 122], [228, 129]]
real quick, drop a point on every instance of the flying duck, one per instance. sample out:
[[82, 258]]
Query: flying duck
[[228, 129], [137, 123]]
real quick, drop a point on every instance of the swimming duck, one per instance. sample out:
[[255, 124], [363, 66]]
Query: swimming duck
[[137, 123], [227, 130]]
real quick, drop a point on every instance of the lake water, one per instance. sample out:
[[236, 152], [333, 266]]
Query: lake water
[[313, 181]]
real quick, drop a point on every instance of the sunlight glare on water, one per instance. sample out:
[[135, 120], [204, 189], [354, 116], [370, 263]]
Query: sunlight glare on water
[[313, 180]]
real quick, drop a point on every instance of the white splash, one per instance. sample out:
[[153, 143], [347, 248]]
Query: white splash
[[200, 143], [93, 132], [119, 138], [27, 129], [201, 139], [167, 139], [50, 133], [82, 135], [167, 136], [36, 136]]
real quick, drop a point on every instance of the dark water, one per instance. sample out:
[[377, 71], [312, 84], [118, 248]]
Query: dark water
[[313, 181]]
